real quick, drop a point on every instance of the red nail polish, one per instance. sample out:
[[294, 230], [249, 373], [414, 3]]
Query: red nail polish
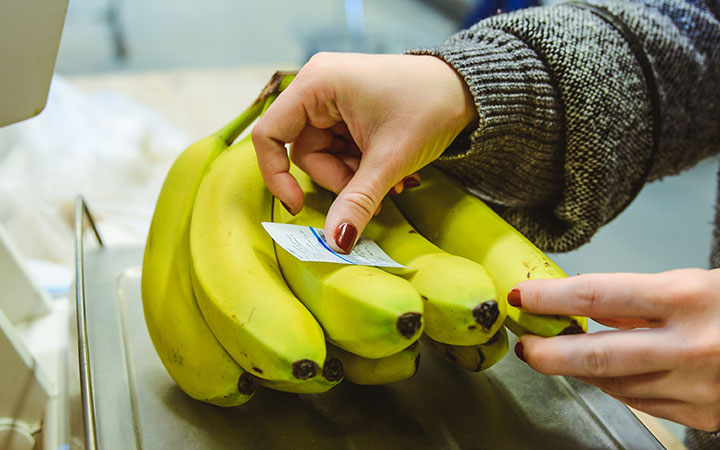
[[513, 297], [345, 236], [411, 182], [520, 351], [287, 208]]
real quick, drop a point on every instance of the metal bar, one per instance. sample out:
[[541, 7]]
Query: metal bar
[[91, 221], [81, 209]]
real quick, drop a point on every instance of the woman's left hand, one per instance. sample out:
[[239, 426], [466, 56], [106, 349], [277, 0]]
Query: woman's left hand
[[664, 357]]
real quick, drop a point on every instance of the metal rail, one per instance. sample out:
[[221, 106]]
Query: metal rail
[[82, 212]]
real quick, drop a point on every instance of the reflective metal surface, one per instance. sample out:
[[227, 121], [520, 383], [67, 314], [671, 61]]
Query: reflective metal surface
[[137, 405]]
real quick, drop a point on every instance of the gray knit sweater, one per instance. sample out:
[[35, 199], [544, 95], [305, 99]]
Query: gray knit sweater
[[579, 107]]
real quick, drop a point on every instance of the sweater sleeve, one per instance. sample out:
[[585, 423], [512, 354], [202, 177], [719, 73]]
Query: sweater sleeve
[[577, 109]]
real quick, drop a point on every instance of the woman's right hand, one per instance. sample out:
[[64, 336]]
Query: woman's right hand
[[358, 125]]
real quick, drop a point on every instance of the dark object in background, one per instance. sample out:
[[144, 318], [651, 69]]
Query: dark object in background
[[468, 12], [487, 8]]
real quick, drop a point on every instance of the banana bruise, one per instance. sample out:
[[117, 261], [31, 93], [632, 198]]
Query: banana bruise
[[467, 227], [472, 357], [237, 281], [362, 309], [389, 369], [186, 346], [459, 297]]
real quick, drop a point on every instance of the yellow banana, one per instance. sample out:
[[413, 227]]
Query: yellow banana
[[459, 297], [462, 224], [333, 373], [472, 357], [236, 279], [186, 346], [390, 369], [362, 309]]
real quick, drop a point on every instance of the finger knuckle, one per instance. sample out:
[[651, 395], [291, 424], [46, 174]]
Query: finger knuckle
[[363, 202], [319, 57], [320, 64], [596, 362], [690, 285], [704, 346], [586, 293], [259, 131]]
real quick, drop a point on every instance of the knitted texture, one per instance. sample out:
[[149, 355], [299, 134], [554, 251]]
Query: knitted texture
[[702, 440], [564, 135], [565, 120]]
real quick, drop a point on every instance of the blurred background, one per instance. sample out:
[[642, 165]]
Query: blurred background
[[102, 35], [138, 80], [668, 226]]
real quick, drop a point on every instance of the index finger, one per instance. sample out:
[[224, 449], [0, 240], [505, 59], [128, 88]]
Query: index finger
[[616, 295], [283, 122]]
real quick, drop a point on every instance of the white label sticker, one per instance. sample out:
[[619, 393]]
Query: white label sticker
[[309, 244]]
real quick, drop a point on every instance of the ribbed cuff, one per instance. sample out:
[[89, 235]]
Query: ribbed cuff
[[519, 137]]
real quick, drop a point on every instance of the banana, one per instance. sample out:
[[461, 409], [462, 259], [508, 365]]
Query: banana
[[332, 374], [188, 349], [467, 227], [472, 357], [459, 297], [390, 369], [362, 309], [236, 279]]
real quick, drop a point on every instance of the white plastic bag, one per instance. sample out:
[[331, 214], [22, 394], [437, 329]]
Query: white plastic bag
[[103, 145]]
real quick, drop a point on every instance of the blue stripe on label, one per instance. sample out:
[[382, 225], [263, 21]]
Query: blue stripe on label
[[317, 236]]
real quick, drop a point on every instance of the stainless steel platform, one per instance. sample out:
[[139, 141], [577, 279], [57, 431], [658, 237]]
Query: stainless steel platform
[[137, 405]]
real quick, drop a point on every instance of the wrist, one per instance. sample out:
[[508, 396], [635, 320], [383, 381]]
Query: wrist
[[458, 92]]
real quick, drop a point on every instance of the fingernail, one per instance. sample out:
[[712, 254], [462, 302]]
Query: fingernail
[[345, 236], [392, 191], [411, 182], [520, 351], [287, 208], [513, 298]]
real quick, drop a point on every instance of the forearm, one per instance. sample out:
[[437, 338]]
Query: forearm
[[566, 130]]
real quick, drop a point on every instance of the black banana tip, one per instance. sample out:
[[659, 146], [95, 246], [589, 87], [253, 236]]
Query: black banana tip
[[573, 328], [246, 384], [333, 370], [486, 313], [408, 324], [304, 369]]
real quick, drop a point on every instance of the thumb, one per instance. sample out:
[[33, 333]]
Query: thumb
[[355, 205]]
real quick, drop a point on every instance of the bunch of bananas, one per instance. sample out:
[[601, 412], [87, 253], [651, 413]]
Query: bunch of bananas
[[228, 309]]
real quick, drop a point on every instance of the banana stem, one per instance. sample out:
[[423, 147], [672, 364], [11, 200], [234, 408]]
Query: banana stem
[[232, 130], [267, 103], [278, 83]]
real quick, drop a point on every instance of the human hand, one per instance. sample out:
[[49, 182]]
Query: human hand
[[359, 124], [665, 357]]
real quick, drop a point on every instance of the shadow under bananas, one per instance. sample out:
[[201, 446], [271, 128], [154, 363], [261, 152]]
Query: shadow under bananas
[[442, 407]]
